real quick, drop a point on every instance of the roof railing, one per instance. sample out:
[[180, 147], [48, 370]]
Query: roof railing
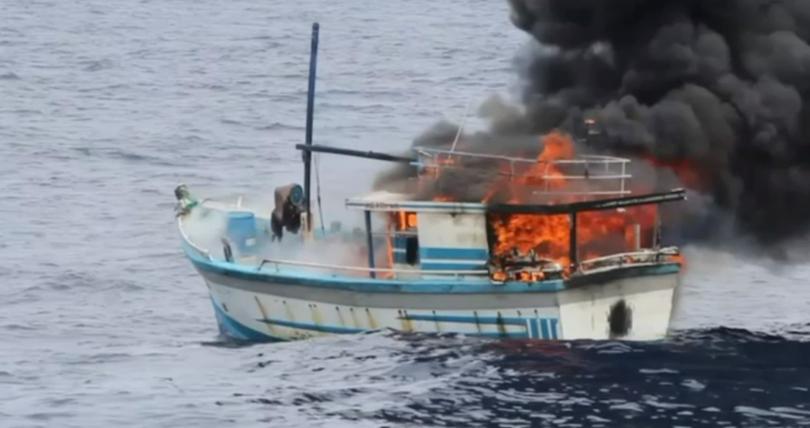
[[558, 177]]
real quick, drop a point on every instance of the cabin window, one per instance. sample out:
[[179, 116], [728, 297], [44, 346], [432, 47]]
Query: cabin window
[[405, 243], [412, 250]]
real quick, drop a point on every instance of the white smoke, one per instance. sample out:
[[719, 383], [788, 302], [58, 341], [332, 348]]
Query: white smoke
[[206, 228]]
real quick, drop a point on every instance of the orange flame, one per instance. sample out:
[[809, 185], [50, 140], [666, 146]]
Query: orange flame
[[546, 234], [598, 233], [556, 146], [681, 260], [544, 173], [404, 220]]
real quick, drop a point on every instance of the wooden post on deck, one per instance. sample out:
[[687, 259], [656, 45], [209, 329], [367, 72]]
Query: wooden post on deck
[[370, 244], [572, 241]]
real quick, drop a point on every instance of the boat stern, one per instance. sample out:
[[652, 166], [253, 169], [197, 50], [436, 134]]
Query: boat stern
[[632, 303]]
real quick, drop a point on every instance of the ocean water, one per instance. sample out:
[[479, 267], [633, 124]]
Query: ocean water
[[106, 106]]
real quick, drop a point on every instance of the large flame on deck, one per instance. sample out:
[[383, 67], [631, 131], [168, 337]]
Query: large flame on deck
[[545, 175], [546, 172], [599, 233], [547, 235]]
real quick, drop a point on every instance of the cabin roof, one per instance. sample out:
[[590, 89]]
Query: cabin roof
[[387, 201]]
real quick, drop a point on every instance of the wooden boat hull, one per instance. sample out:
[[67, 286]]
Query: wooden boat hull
[[627, 303]]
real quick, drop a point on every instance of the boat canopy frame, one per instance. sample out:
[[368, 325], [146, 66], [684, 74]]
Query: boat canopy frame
[[387, 202]]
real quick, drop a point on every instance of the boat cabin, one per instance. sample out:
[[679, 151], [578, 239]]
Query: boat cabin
[[468, 239], [438, 237]]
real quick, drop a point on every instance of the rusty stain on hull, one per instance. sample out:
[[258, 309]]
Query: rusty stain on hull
[[288, 311], [372, 323], [316, 314], [264, 314], [340, 316], [407, 324], [501, 326], [355, 324]]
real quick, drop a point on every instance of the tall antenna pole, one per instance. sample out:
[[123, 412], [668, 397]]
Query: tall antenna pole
[[307, 155]]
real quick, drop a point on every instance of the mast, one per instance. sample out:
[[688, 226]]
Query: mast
[[307, 155]]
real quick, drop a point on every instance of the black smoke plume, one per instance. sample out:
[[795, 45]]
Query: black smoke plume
[[718, 87]]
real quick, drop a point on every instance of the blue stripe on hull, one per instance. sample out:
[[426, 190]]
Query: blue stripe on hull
[[467, 319], [311, 327], [536, 328], [533, 328], [544, 328], [237, 331]]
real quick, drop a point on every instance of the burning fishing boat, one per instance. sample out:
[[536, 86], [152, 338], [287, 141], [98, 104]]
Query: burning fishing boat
[[560, 248]]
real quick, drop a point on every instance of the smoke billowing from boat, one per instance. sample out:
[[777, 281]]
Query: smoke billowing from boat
[[208, 228], [714, 91]]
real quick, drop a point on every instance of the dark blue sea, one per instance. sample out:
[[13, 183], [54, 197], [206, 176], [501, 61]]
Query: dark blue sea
[[105, 106]]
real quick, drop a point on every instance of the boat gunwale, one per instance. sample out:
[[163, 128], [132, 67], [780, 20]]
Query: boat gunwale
[[417, 285]]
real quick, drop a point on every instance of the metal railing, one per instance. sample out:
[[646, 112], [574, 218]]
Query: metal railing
[[584, 168], [642, 257], [362, 269], [188, 240]]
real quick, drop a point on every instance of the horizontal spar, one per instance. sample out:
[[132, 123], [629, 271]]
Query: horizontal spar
[[356, 153], [597, 205]]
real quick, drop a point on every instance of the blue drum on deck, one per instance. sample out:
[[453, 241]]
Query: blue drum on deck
[[241, 230]]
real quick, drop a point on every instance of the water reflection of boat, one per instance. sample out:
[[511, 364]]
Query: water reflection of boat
[[548, 267]]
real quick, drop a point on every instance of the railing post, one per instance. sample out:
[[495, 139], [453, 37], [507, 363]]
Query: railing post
[[370, 244], [624, 172]]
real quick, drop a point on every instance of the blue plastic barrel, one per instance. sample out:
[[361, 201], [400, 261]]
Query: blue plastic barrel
[[241, 230]]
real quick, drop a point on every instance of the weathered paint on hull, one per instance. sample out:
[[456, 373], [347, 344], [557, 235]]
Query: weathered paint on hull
[[246, 310]]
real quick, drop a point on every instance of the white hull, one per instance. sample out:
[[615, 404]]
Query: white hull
[[259, 310]]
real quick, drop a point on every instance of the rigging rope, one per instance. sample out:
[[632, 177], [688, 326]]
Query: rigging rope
[[469, 101], [462, 124], [318, 191]]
